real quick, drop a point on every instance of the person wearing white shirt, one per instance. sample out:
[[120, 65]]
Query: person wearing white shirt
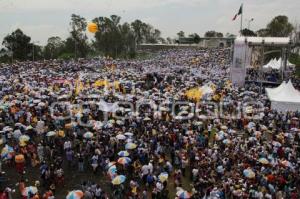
[[150, 167]]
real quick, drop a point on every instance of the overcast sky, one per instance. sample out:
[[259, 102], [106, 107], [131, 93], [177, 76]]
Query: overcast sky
[[41, 19]]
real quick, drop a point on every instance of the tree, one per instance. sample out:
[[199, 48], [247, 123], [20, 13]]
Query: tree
[[229, 35], [169, 40], [213, 33], [247, 32], [280, 27], [78, 27], [137, 26], [54, 48], [195, 37], [181, 34], [262, 32], [115, 39], [18, 44]]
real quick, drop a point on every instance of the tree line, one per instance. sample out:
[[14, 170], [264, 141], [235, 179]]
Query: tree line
[[114, 39]]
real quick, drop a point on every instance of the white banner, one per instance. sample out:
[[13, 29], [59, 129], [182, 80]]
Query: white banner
[[241, 60]]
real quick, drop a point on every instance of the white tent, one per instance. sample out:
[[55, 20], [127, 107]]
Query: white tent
[[273, 91], [284, 98], [277, 64]]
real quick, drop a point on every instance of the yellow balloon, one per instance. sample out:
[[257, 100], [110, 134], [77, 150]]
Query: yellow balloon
[[92, 27]]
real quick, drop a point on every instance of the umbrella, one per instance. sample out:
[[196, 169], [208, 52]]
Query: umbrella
[[203, 117], [7, 128], [123, 153], [17, 133], [183, 113], [275, 143], [29, 190], [121, 137], [124, 160], [130, 145], [112, 171], [112, 121], [163, 176], [263, 161], [147, 119], [19, 158], [199, 123], [183, 194], [295, 129], [251, 125], [77, 194], [29, 127], [224, 127], [128, 134], [118, 180], [7, 152], [24, 138], [286, 163], [119, 122], [88, 135], [110, 164], [51, 133], [220, 135], [248, 173], [227, 141]]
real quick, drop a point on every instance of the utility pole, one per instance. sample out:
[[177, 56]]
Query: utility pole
[[33, 43], [249, 22]]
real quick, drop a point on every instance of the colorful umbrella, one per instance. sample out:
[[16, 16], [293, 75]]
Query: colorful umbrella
[[29, 190], [88, 135], [111, 164], [7, 152], [286, 163], [183, 194], [24, 138], [123, 153], [124, 160], [263, 161], [118, 180], [130, 146], [248, 173], [77, 194], [163, 176], [19, 158], [112, 171]]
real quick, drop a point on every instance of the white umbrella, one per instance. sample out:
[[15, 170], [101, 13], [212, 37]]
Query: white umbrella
[[147, 119], [88, 135], [128, 134], [51, 133], [121, 137]]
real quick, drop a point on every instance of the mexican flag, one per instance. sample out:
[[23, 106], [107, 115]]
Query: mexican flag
[[239, 13]]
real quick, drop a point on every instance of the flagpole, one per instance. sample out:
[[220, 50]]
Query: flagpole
[[242, 20]]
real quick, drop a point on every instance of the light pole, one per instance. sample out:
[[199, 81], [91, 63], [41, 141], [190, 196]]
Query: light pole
[[249, 22], [33, 43]]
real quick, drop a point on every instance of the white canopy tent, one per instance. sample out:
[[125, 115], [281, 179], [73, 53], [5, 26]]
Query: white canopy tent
[[277, 64], [284, 98]]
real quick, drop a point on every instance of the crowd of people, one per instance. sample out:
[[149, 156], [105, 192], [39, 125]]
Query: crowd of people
[[131, 125]]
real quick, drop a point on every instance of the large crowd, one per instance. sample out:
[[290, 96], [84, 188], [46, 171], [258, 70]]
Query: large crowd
[[131, 124]]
